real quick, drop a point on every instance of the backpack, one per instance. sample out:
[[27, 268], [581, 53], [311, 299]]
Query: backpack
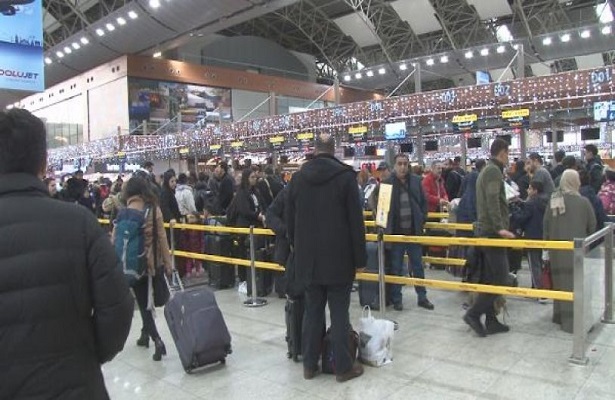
[[129, 243]]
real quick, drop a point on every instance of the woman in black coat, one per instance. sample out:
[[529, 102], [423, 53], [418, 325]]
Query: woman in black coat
[[249, 201], [168, 202]]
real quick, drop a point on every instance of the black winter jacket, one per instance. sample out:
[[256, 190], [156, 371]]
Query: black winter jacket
[[169, 206], [529, 216], [65, 307], [275, 220], [418, 204], [324, 219]]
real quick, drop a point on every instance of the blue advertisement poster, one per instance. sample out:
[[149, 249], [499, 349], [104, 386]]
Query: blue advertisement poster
[[21, 45]]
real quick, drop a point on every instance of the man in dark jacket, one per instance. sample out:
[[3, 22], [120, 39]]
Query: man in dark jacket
[[558, 168], [595, 167], [269, 186], [65, 306], [493, 222], [466, 211], [454, 178], [326, 230], [407, 215], [223, 187]]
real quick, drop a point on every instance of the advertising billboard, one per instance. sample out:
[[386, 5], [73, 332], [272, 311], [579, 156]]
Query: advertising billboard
[[21, 45]]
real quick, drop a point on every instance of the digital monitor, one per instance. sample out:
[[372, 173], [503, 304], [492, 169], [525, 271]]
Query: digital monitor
[[395, 131], [604, 111], [507, 138], [482, 77], [431, 145], [558, 134], [590, 133], [406, 148], [474, 143], [370, 150], [348, 152]]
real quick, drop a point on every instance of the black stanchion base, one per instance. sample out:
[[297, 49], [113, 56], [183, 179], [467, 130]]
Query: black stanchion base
[[255, 303]]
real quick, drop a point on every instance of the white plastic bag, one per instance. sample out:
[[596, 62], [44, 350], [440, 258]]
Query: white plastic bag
[[375, 339], [243, 288]]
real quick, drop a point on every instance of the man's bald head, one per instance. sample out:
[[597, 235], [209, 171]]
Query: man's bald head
[[325, 144]]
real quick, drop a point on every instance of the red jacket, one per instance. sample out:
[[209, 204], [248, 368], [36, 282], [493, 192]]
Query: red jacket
[[434, 191]]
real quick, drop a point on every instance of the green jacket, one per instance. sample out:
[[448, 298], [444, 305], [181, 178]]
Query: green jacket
[[491, 204]]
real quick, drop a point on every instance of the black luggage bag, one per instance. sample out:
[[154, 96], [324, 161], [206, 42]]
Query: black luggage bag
[[293, 311], [221, 276], [198, 328], [264, 277]]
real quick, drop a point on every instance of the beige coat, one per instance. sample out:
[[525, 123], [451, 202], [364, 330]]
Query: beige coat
[[164, 255]]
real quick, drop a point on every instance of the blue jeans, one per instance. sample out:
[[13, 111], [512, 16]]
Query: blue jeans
[[415, 253]]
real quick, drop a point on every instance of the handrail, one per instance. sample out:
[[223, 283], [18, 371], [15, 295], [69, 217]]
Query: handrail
[[589, 240], [370, 214]]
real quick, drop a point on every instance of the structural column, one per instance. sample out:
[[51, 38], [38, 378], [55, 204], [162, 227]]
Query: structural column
[[336, 91], [273, 110], [521, 75], [418, 87]]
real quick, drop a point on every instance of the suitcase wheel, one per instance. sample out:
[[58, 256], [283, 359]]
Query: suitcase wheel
[[223, 361]]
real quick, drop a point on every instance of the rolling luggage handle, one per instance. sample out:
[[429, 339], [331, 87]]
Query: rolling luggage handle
[[176, 282], [381, 273], [253, 301]]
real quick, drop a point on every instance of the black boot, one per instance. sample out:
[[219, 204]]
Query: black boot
[[160, 349], [494, 326], [143, 341]]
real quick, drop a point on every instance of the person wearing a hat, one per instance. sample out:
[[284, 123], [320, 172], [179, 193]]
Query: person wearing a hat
[[540, 173]]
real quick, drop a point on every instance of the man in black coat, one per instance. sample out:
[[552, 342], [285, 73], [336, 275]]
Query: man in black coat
[[326, 230], [269, 186], [407, 216], [223, 187], [64, 304]]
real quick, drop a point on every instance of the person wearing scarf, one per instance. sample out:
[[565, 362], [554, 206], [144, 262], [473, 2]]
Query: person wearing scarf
[[569, 216]]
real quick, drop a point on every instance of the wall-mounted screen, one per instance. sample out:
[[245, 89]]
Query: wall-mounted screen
[[558, 134], [370, 151], [474, 143], [507, 138], [349, 152], [395, 131], [604, 111], [406, 148], [590, 133], [482, 77], [431, 145]]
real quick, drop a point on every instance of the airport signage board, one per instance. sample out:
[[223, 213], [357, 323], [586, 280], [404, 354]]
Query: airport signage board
[[21, 45]]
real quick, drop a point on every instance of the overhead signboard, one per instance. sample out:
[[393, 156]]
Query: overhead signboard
[[465, 122], [277, 141], [357, 133], [517, 118], [21, 45]]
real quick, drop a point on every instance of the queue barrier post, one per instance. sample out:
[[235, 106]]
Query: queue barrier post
[[579, 333], [253, 301], [607, 317]]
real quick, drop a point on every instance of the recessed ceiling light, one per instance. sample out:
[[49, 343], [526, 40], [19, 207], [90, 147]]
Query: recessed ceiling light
[[157, 54], [370, 73], [444, 59], [100, 32], [586, 34], [48, 60], [547, 41], [484, 52], [606, 30], [347, 78], [59, 54], [469, 54], [382, 71], [403, 67], [121, 21], [67, 50], [110, 27], [154, 3], [429, 61], [76, 46], [84, 40], [565, 37], [358, 75], [501, 49], [132, 15]]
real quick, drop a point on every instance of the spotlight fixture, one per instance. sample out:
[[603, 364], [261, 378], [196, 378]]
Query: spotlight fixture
[[586, 34], [547, 41], [84, 40], [121, 21], [347, 78], [67, 50], [48, 60], [76, 46], [469, 54], [501, 49], [110, 27], [132, 15], [565, 37], [369, 73], [444, 59], [358, 75], [484, 52], [157, 54], [100, 32], [382, 71], [429, 62], [154, 3], [59, 54], [403, 67], [606, 30]]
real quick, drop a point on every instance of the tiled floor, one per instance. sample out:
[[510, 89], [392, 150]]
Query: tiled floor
[[436, 357]]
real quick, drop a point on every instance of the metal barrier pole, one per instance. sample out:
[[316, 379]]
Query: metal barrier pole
[[607, 318], [579, 333], [253, 301], [381, 274], [174, 276]]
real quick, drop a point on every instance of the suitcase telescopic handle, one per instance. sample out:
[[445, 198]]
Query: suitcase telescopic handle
[[175, 285]]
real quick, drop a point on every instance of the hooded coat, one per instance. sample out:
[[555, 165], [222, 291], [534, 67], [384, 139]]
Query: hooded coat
[[65, 307], [325, 224]]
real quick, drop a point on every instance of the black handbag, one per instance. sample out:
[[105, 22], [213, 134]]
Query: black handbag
[[159, 285]]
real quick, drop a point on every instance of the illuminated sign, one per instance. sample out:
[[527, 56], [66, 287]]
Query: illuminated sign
[[236, 145], [357, 130], [215, 147], [276, 139], [517, 118], [305, 136], [21, 45], [523, 112], [184, 150], [465, 118], [464, 123]]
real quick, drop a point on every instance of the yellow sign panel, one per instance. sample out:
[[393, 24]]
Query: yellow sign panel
[[121, 154], [184, 150], [305, 136], [276, 139], [357, 130], [523, 112], [384, 204], [236, 144], [215, 147], [465, 118]]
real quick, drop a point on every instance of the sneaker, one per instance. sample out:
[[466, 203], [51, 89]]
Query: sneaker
[[494, 326], [426, 304], [543, 300], [475, 324], [355, 372], [309, 374], [398, 307]]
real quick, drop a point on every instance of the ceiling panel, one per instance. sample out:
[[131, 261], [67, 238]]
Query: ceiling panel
[[540, 69], [420, 14], [506, 74], [359, 27], [488, 9], [590, 61]]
